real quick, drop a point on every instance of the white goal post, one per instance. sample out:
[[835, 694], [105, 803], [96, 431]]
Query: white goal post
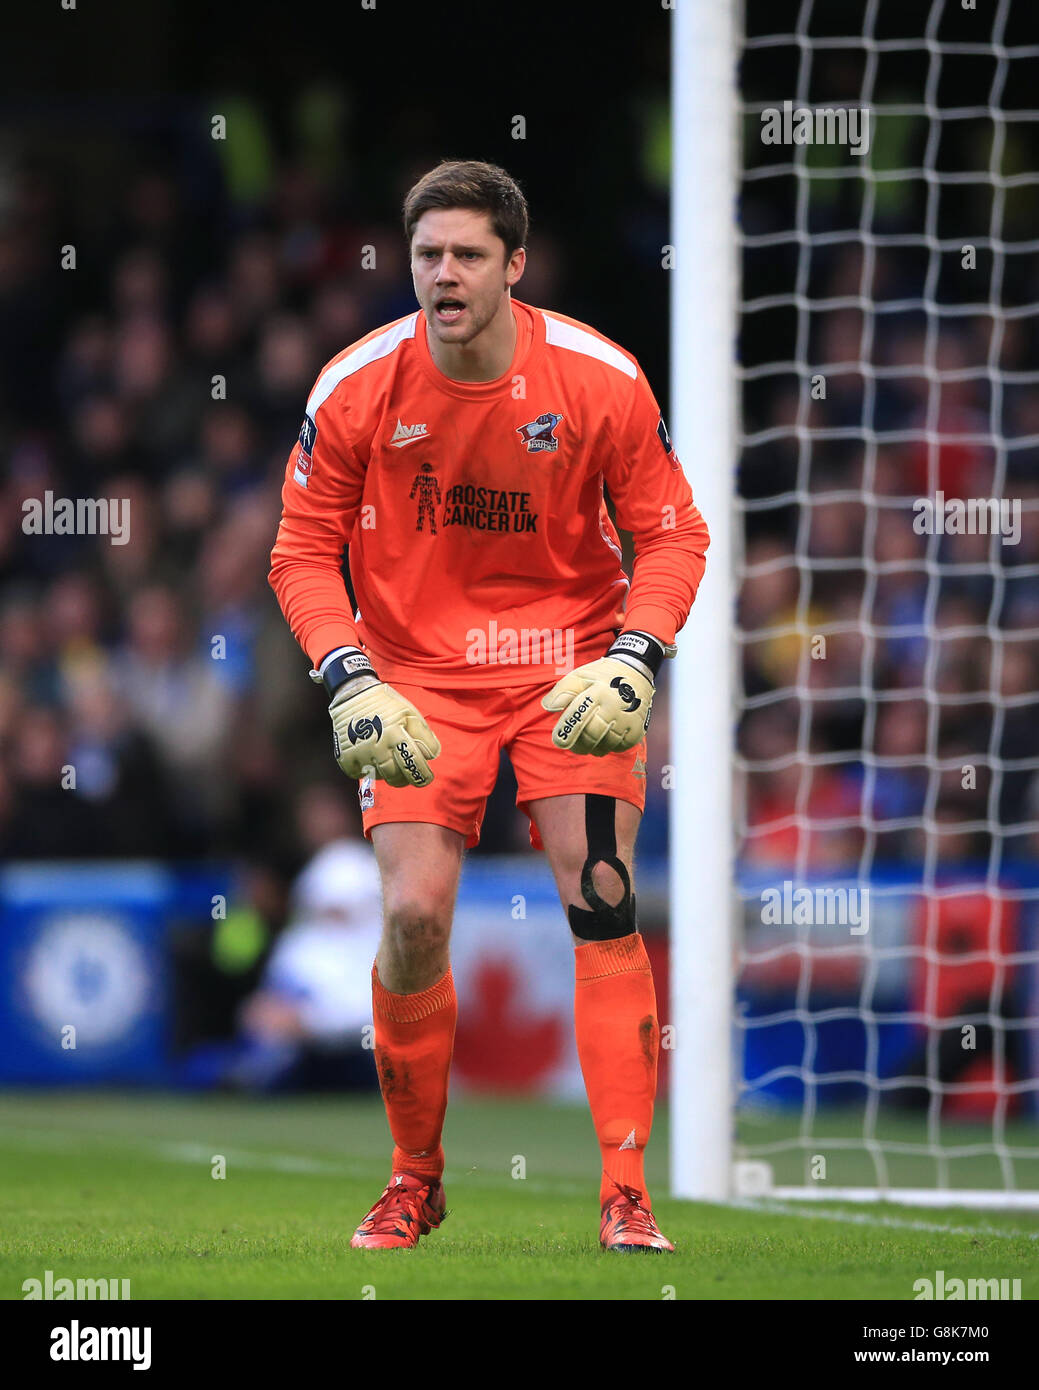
[[915, 1120], [703, 424]]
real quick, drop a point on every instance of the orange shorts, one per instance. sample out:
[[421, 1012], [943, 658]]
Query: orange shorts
[[473, 726]]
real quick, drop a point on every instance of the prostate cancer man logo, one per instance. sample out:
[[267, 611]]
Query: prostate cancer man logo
[[539, 434], [426, 488]]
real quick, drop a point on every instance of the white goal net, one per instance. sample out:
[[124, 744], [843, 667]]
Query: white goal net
[[887, 573]]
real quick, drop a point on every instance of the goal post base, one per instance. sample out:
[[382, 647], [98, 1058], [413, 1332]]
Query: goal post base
[[983, 1199]]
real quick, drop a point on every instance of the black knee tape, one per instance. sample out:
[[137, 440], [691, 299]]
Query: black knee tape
[[604, 922]]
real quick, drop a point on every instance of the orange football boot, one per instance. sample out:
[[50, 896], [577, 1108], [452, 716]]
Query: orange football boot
[[628, 1226], [409, 1207]]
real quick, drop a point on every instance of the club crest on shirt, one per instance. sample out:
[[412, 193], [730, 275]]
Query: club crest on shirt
[[304, 461], [539, 434]]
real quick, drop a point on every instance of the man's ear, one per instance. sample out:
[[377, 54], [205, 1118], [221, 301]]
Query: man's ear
[[516, 265]]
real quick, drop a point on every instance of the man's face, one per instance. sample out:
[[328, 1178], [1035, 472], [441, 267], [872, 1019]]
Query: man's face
[[460, 272]]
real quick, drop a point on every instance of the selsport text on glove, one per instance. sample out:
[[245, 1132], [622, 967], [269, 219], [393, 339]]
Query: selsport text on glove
[[607, 703]]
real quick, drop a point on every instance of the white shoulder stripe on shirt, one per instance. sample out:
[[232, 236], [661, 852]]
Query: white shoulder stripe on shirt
[[566, 335], [379, 346]]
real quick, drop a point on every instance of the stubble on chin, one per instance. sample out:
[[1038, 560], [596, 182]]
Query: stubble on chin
[[448, 336]]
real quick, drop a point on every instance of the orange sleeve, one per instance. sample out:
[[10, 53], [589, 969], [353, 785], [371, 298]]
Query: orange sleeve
[[321, 497], [654, 501]]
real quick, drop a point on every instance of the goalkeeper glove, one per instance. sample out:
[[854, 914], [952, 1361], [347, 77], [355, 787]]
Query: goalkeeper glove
[[376, 732], [607, 703]]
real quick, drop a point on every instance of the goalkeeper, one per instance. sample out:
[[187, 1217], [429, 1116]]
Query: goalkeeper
[[461, 453]]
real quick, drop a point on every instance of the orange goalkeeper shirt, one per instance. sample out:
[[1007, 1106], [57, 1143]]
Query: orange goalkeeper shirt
[[479, 536]]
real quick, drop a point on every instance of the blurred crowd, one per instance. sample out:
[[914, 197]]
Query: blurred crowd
[[159, 673], [890, 675]]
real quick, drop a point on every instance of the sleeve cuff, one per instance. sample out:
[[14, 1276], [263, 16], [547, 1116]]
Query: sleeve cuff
[[327, 638], [647, 617]]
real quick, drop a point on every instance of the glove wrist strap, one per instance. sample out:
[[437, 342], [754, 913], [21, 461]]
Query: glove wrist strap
[[645, 650], [341, 666]]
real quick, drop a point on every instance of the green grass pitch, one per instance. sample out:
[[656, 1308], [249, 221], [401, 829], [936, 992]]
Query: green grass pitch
[[121, 1186]]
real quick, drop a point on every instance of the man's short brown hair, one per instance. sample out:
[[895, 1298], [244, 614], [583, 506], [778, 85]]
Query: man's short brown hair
[[467, 183]]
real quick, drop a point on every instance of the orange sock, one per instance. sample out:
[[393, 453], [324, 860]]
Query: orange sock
[[414, 1040], [615, 1013]]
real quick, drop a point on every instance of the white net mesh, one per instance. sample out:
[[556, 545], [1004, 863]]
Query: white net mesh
[[888, 744]]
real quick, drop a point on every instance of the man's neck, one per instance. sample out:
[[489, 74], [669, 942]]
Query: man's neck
[[487, 357]]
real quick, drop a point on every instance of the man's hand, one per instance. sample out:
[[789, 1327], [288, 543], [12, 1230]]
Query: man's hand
[[376, 732], [607, 703]]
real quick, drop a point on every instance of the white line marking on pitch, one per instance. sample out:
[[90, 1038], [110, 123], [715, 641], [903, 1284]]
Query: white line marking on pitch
[[181, 1151], [184, 1152], [858, 1218]]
